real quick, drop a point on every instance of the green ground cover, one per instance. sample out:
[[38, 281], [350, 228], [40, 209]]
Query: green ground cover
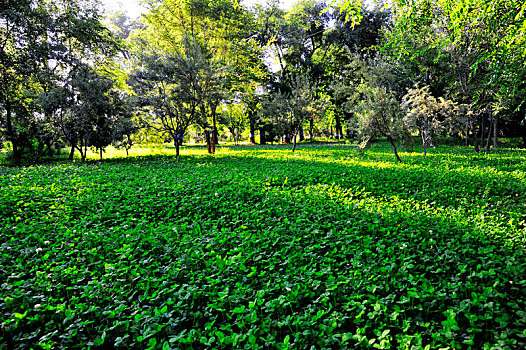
[[256, 247]]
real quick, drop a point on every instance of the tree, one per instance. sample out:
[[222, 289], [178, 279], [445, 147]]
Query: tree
[[171, 87], [288, 112], [87, 110], [233, 116], [427, 113], [41, 42], [221, 30], [480, 45], [379, 113]]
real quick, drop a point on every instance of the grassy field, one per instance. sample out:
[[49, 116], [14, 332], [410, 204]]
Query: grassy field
[[259, 248]]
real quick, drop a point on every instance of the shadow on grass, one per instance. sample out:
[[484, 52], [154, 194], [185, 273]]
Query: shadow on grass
[[309, 248]]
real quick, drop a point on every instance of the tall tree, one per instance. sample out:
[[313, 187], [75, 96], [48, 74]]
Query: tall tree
[[171, 87], [480, 40], [41, 41]]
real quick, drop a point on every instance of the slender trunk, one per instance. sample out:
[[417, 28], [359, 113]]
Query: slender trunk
[[424, 142], [214, 140], [177, 150], [262, 139], [214, 131], [100, 152], [495, 132], [467, 136], [49, 145], [391, 141], [208, 145], [488, 141], [252, 129], [311, 131], [126, 148], [17, 155], [72, 151], [302, 136], [475, 141], [294, 144], [338, 127], [482, 134]]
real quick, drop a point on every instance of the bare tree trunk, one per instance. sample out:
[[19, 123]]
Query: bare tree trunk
[[100, 152], [214, 140], [311, 131], [391, 141], [338, 127], [262, 139], [302, 136], [17, 155], [488, 141], [482, 135], [424, 142], [495, 132], [294, 144], [177, 150], [252, 128], [49, 148], [475, 141], [72, 151], [207, 137], [214, 131]]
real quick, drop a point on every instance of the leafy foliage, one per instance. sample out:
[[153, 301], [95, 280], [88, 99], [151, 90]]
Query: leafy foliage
[[428, 114]]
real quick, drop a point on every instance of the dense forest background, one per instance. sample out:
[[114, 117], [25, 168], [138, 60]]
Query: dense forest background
[[211, 70]]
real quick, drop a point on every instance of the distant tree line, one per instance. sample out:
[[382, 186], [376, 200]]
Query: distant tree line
[[72, 76]]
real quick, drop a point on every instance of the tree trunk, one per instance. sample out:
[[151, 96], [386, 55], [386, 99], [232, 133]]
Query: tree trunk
[[488, 141], [17, 155], [214, 132], [262, 139], [100, 152], [208, 143], [49, 145], [252, 129], [302, 136], [311, 131], [177, 150], [482, 135], [214, 140], [475, 141], [338, 127], [391, 141], [294, 144], [495, 132], [72, 151], [424, 142]]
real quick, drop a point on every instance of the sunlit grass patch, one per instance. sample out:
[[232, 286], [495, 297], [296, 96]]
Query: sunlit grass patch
[[256, 245]]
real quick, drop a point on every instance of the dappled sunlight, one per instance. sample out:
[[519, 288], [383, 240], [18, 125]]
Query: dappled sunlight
[[286, 234]]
